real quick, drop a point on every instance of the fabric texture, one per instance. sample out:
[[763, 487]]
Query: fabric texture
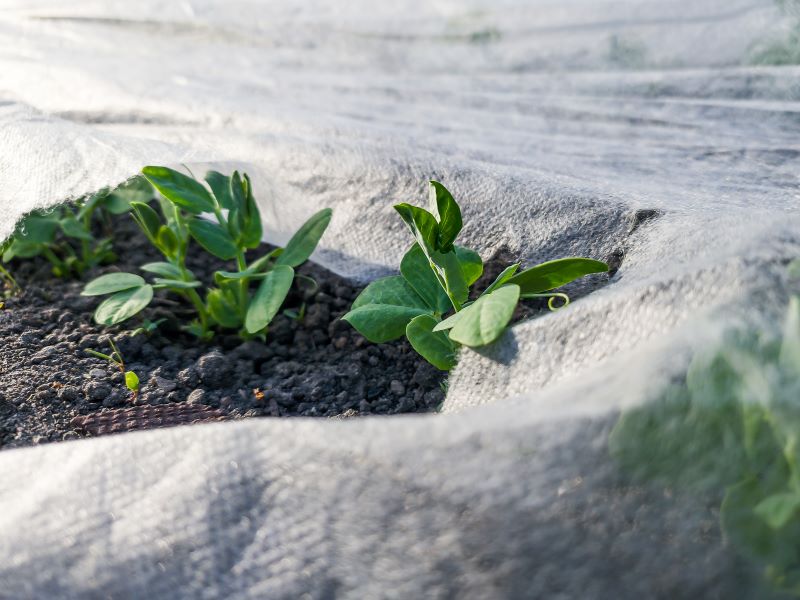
[[560, 126]]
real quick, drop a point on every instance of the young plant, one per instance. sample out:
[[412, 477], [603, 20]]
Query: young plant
[[435, 280], [730, 429], [236, 228], [115, 358], [64, 235]]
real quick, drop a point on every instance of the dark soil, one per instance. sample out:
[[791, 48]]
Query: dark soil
[[314, 366], [317, 365]]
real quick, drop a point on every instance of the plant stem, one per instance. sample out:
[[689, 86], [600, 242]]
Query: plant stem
[[241, 264]]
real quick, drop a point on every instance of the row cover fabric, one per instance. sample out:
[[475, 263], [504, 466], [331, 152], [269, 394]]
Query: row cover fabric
[[554, 122]]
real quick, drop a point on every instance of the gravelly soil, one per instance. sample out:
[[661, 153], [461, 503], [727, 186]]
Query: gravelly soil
[[314, 366], [317, 366]]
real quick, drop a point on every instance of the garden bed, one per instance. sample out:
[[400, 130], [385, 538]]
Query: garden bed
[[311, 365]]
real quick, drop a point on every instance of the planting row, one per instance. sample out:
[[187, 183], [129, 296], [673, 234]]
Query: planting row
[[429, 302]]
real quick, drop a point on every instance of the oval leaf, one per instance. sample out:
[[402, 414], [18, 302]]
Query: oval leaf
[[146, 217], [213, 238], [390, 290], [268, 298], [132, 381], [436, 348], [382, 322], [471, 264], [482, 323], [113, 282], [555, 273], [303, 243], [222, 310], [221, 187], [417, 271], [449, 216], [164, 269], [501, 279], [189, 194], [123, 305], [422, 224]]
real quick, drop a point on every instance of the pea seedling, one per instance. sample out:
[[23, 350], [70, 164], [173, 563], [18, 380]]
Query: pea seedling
[[435, 278], [730, 430], [235, 230], [115, 358], [63, 235]]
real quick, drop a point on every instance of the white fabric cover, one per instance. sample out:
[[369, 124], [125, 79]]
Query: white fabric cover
[[553, 122]]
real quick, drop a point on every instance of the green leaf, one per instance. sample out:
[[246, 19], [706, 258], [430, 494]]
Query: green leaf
[[436, 348], [778, 509], [422, 224], [189, 194], [393, 290], [501, 279], [382, 322], [305, 240], [213, 238], [164, 269], [123, 305], [221, 187], [37, 229], [262, 262], [112, 282], [471, 264], [167, 241], [451, 321], [555, 273], [74, 229], [147, 218], [484, 321], [222, 309], [238, 197], [136, 189], [417, 271], [251, 229], [450, 269], [22, 249], [268, 298], [450, 223], [132, 381], [176, 284]]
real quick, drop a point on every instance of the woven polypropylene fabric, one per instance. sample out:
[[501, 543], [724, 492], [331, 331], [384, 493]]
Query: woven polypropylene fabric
[[555, 124]]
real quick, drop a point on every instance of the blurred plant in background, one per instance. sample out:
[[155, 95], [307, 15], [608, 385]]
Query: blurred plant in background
[[67, 235], [787, 50], [732, 429]]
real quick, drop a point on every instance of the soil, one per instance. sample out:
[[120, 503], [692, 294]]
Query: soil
[[314, 365]]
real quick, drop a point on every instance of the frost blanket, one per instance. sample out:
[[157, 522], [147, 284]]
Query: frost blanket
[[555, 123]]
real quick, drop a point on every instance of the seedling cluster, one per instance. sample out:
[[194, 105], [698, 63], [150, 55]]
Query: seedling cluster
[[65, 235], [429, 301], [235, 229]]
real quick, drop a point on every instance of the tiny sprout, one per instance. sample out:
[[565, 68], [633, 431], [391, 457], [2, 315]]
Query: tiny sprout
[[115, 358]]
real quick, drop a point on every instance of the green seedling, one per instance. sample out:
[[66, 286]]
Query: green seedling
[[64, 235], [435, 280], [730, 429], [115, 358], [235, 229], [147, 327]]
